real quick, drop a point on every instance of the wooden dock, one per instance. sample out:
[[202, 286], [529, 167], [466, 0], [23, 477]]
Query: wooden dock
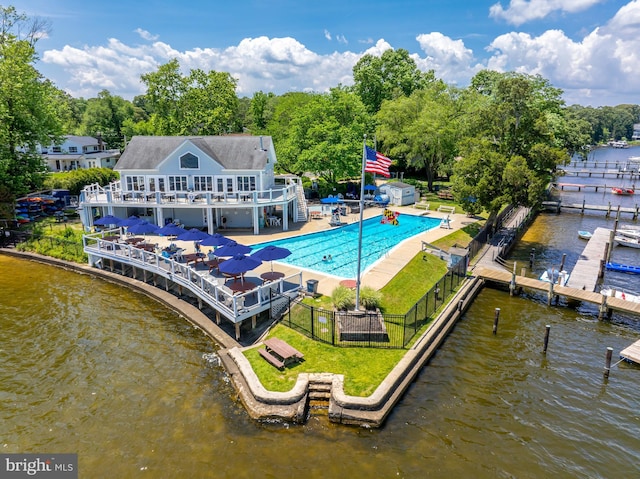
[[602, 174], [605, 304], [587, 270], [632, 353], [607, 209]]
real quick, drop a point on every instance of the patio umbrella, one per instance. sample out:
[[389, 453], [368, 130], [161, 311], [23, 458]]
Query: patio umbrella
[[194, 234], [332, 200], [108, 220], [370, 188], [239, 264], [232, 248], [131, 220], [215, 239], [270, 253], [142, 228], [171, 229]]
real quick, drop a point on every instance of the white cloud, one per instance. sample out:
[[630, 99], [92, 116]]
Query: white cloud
[[522, 11], [449, 58], [327, 35], [342, 39], [146, 35]]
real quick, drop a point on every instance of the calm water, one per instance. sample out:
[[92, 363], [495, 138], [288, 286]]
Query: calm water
[[92, 368], [378, 239]]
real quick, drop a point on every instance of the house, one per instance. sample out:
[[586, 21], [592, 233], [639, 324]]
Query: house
[[207, 182], [400, 194], [636, 132], [77, 152]]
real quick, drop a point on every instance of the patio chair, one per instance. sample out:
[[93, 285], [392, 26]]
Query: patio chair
[[179, 254]]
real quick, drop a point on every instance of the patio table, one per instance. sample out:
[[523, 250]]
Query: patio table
[[241, 286], [271, 276]]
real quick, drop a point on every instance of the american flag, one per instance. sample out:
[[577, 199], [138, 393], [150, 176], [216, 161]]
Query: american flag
[[377, 163]]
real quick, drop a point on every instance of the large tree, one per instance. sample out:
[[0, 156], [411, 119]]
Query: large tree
[[30, 106], [202, 103], [391, 75], [324, 136], [422, 128]]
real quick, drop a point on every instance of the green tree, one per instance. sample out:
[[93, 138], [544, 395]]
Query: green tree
[[391, 75], [30, 107], [202, 103], [422, 128], [104, 117], [324, 136]]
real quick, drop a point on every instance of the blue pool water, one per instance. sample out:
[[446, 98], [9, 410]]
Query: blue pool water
[[341, 243]]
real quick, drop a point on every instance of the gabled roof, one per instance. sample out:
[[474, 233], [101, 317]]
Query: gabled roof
[[398, 184], [232, 152], [81, 140]]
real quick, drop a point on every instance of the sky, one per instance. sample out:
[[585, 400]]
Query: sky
[[587, 48]]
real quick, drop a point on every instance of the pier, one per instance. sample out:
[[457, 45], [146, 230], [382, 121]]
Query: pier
[[632, 353], [589, 267]]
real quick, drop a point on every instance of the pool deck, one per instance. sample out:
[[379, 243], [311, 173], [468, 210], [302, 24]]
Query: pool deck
[[378, 276]]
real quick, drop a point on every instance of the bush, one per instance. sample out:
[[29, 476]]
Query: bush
[[343, 298], [370, 298]]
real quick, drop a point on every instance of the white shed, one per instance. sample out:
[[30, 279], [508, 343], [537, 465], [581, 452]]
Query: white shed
[[400, 194]]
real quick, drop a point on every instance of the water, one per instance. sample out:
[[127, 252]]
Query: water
[[341, 243]]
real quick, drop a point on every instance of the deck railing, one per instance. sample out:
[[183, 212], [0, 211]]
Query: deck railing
[[236, 307]]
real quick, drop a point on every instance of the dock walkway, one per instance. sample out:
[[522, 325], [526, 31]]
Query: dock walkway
[[632, 353], [586, 271]]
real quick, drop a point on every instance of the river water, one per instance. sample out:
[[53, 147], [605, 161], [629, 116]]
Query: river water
[[95, 369]]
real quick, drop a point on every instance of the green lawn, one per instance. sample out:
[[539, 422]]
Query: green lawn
[[363, 368]]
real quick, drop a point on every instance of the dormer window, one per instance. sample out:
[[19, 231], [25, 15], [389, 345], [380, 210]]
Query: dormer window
[[189, 161], [57, 149], [73, 149]]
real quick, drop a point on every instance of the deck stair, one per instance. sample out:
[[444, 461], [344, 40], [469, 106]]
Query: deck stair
[[319, 394], [302, 212]]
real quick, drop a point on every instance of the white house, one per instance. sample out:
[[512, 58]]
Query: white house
[[212, 182], [78, 152]]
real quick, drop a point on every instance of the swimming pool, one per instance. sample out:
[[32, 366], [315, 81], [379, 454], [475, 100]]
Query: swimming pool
[[307, 251]]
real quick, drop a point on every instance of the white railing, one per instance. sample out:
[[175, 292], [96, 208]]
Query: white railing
[[236, 307]]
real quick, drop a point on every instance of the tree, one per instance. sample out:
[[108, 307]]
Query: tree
[[104, 117], [422, 128], [324, 136], [30, 108], [389, 76], [202, 103]]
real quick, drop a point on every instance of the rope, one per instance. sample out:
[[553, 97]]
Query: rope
[[615, 364]]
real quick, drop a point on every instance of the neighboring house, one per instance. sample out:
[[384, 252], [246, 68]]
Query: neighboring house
[[636, 131], [211, 182], [78, 152]]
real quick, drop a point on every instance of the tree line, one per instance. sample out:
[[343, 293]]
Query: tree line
[[499, 139]]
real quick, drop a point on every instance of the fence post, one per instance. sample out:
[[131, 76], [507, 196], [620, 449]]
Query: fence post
[[312, 321], [333, 329]]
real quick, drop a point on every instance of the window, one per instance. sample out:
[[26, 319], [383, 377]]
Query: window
[[246, 183], [73, 149], [178, 183], [156, 184], [57, 149], [189, 161], [135, 183], [203, 183]]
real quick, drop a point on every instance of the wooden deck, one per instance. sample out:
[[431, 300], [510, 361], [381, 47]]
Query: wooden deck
[[632, 353], [586, 271]]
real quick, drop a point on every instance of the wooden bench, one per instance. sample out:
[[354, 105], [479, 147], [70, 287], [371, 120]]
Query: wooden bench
[[271, 358], [282, 350], [447, 209]]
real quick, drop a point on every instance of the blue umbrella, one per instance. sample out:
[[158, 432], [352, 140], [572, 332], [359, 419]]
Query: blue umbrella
[[232, 248], [370, 188], [171, 229], [239, 265], [131, 220], [142, 228], [215, 239], [330, 200], [108, 220], [194, 234], [270, 253]]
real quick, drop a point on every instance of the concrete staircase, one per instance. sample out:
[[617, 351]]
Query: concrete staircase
[[319, 394]]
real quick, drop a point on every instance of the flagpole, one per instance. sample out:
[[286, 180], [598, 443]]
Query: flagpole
[[364, 160]]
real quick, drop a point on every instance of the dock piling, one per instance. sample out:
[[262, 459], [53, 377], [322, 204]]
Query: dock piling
[[607, 362], [546, 338], [495, 321]]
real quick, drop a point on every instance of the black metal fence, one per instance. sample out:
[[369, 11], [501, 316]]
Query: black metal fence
[[373, 329]]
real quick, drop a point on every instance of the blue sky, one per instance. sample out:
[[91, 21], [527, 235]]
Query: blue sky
[[588, 48]]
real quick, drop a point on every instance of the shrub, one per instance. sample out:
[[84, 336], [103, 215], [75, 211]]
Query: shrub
[[343, 298], [370, 298]]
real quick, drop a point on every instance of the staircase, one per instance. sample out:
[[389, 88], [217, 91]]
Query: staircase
[[319, 394], [302, 212]]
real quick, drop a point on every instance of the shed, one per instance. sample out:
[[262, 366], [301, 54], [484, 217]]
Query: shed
[[400, 194]]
